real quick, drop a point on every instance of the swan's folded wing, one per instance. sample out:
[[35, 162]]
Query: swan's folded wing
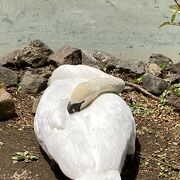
[[76, 72]]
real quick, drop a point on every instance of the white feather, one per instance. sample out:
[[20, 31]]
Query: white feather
[[92, 143]]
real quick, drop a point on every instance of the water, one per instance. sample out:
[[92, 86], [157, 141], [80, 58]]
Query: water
[[122, 28]]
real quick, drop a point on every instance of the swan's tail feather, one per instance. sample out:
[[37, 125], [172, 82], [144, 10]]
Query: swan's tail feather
[[109, 175]]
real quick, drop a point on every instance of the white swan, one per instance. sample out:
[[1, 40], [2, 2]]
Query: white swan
[[90, 144]]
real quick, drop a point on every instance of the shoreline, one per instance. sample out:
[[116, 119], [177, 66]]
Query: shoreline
[[96, 25], [140, 54]]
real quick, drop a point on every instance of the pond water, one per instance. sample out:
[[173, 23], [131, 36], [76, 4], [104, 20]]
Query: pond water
[[122, 28]]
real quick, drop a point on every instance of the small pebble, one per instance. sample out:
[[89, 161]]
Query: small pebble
[[175, 143], [1, 144]]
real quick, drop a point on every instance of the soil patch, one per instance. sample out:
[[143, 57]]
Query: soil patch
[[158, 133]]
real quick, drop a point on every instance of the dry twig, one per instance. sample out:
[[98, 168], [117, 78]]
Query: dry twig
[[145, 92], [142, 90]]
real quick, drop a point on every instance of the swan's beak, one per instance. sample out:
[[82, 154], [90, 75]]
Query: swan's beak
[[74, 107]]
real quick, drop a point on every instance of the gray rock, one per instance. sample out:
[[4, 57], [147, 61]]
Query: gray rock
[[176, 68], [174, 100], [33, 83], [162, 61], [99, 55], [35, 54], [7, 105], [131, 66], [173, 78], [153, 69], [8, 77], [88, 59], [102, 56], [44, 71], [105, 61], [66, 55], [35, 104], [9, 60], [154, 84]]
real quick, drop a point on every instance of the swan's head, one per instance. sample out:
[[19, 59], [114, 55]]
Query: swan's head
[[81, 97], [86, 92]]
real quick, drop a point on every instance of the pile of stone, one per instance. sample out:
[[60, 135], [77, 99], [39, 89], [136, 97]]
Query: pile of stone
[[158, 75], [27, 70]]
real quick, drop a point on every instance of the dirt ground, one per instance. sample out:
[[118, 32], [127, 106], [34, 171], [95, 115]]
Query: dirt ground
[[158, 142]]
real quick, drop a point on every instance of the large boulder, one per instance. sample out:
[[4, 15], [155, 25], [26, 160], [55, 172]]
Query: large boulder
[[66, 55], [7, 105], [8, 77], [33, 83], [162, 61], [159, 65], [154, 84], [130, 66], [35, 54]]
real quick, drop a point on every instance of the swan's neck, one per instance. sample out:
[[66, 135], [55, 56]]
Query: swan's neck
[[100, 86], [87, 92]]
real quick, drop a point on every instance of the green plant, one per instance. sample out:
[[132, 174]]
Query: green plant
[[163, 97], [18, 88], [163, 66], [138, 80], [176, 10], [176, 89], [139, 109], [24, 156]]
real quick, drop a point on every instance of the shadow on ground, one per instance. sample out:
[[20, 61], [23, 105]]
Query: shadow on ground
[[130, 171], [16, 140]]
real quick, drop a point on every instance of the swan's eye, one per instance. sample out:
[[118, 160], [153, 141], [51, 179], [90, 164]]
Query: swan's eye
[[76, 107]]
